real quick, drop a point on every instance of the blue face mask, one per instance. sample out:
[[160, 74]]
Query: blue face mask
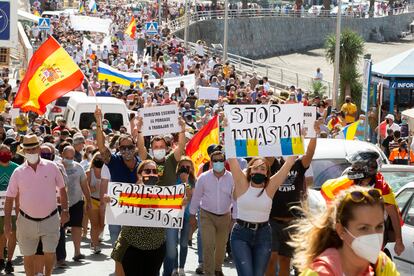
[[218, 166]]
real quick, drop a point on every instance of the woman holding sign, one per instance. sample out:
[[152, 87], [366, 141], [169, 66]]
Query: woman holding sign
[[140, 251], [251, 235]]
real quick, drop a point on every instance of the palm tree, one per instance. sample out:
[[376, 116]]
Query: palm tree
[[351, 50]]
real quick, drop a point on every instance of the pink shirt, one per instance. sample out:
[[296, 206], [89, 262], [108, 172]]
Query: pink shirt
[[36, 189]]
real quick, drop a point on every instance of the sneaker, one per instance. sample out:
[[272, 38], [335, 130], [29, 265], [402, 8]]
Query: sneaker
[[2, 264], [181, 272], [9, 267], [96, 250], [190, 243], [78, 257], [61, 264], [200, 269]]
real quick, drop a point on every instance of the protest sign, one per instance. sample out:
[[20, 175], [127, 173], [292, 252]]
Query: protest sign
[[263, 130], [147, 206], [89, 23], [160, 120], [309, 118], [174, 82], [208, 93], [105, 42], [2, 202]]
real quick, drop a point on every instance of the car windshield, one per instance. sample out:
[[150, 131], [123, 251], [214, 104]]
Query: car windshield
[[324, 169], [62, 101], [398, 179]]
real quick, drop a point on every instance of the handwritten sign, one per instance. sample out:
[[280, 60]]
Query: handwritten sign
[[309, 118], [263, 130], [160, 120], [147, 206], [2, 202], [208, 93]]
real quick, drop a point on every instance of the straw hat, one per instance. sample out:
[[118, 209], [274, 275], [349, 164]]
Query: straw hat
[[30, 141]]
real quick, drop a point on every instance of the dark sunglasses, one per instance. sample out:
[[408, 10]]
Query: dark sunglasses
[[130, 147], [185, 167], [217, 160], [150, 171]]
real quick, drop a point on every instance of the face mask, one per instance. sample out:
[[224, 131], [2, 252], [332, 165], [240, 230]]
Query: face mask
[[98, 163], [105, 127], [150, 180], [5, 157], [127, 154], [218, 166], [93, 127], [90, 156], [68, 162], [159, 154], [258, 178], [47, 156], [367, 247], [32, 158]]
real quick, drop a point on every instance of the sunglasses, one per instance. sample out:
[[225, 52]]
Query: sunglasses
[[130, 147], [185, 167], [371, 195], [150, 171]]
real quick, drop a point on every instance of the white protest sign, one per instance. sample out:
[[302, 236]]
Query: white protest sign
[[89, 23], [105, 42], [2, 202], [160, 120], [174, 82], [309, 118], [263, 130], [147, 206], [208, 93]]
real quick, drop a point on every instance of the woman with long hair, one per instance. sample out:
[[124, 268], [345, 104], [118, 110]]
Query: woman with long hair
[[95, 180], [140, 251], [346, 239], [185, 174], [251, 236]]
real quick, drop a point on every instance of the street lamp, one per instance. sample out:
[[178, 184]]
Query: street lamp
[[335, 93], [186, 23], [226, 29]]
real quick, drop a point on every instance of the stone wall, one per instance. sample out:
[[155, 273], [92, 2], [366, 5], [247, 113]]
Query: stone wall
[[269, 36]]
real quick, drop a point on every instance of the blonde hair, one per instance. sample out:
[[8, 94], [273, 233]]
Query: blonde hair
[[314, 234]]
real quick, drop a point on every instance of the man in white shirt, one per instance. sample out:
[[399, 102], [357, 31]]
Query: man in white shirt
[[318, 75], [389, 119]]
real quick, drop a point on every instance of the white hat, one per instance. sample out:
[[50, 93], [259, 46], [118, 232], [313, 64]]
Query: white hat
[[10, 133], [390, 116]]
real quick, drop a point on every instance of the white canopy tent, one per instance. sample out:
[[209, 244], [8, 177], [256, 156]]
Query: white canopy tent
[[23, 15]]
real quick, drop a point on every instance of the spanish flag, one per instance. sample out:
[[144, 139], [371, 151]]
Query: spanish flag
[[51, 73], [197, 147], [132, 28], [36, 12]]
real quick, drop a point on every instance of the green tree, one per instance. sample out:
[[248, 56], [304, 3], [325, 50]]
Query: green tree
[[351, 51]]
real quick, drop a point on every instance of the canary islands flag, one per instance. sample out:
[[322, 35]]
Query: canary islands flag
[[350, 130], [111, 74], [132, 28], [197, 147], [51, 73], [92, 6], [81, 7]]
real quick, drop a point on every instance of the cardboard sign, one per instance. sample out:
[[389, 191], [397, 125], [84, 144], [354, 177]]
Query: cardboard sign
[[264, 130], [2, 202], [147, 206], [208, 93], [309, 118], [160, 120]]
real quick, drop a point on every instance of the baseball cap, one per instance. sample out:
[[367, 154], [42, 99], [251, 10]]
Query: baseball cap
[[390, 116], [212, 148]]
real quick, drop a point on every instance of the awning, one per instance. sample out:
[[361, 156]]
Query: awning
[[22, 15]]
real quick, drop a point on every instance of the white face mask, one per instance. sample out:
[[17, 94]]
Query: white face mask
[[367, 247], [159, 154], [32, 158]]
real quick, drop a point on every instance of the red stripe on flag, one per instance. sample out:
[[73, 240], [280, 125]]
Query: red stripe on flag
[[127, 195], [195, 142], [157, 206]]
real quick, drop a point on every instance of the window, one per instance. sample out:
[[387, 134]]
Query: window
[[62, 101], [115, 119], [409, 216], [4, 56], [325, 169], [404, 197], [85, 120], [397, 179]]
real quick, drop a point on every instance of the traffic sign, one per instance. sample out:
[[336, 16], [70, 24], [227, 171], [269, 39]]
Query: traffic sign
[[4, 21], [44, 23], [151, 28]]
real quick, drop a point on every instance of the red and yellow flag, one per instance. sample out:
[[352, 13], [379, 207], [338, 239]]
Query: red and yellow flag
[[51, 73], [197, 147], [132, 28], [36, 12]]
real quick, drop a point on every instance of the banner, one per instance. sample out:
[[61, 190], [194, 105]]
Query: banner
[[129, 46], [208, 93], [263, 130], [3, 201], [8, 23], [366, 85], [106, 72], [309, 118], [147, 206], [160, 120], [174, 82], [105, 42], [91, 24]]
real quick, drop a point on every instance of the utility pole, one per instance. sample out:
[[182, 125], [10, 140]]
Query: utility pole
[[226, 29], [336, 89], [186, 23], [159, 12]]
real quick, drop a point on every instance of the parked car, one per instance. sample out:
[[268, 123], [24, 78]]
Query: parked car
[[57, 107], [405, 200]]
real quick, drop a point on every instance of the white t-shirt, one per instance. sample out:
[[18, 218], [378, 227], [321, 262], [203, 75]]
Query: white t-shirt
[[105, 174]]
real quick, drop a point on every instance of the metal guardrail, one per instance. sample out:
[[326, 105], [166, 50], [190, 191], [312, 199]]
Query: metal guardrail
[[178, 23]]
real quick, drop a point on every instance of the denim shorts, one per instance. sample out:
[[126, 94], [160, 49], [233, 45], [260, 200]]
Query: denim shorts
[[280, 238]]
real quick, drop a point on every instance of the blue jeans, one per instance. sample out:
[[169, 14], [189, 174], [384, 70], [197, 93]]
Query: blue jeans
[[114, 232], [251, 249], [171, 254]]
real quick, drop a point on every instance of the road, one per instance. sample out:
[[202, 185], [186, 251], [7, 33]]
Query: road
[[307, 62], [102, 264]]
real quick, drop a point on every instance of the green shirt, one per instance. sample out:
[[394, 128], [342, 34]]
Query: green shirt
[[167, 170], [5, 174]]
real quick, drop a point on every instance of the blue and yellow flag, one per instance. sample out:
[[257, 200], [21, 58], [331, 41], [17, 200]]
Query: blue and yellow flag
[[111, 74]]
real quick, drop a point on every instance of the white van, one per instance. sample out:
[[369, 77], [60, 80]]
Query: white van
[[80, 111]]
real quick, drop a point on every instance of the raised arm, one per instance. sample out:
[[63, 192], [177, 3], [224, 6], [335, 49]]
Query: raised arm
[[310, 151], [277, 179], [142, 150], [178, 152], [240, 181], [100, 138]]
